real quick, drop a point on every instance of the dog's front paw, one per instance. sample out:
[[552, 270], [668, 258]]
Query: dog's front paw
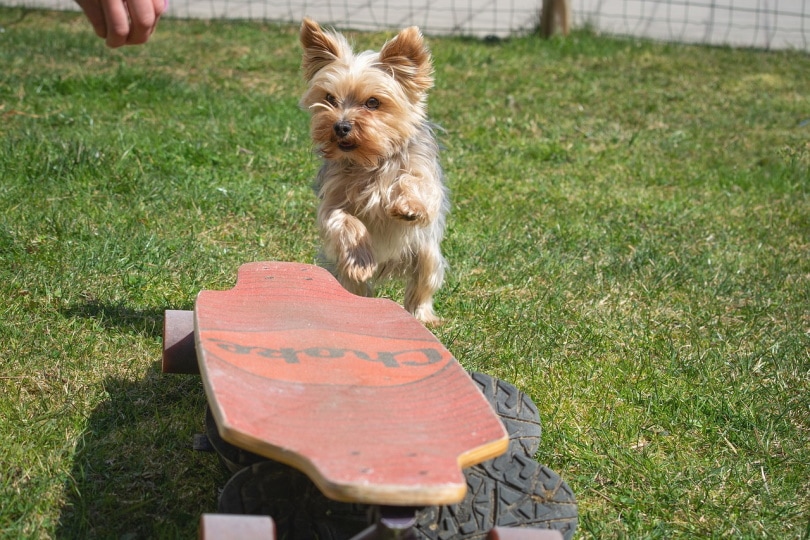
[[409, 210], [357, 263], [360, 266]]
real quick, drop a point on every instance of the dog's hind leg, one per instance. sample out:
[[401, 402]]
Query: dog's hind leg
[[427, 275]]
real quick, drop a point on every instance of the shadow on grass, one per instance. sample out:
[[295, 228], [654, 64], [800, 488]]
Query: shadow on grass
[[147, 322], [135, 473]]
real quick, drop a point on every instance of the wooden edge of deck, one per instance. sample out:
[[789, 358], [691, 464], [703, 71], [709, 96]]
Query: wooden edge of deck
[[363, 493]]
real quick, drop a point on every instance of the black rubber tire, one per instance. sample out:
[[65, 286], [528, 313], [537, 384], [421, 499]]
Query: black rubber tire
[[300, 511], [512, 490], [233, 457], [516, 410]]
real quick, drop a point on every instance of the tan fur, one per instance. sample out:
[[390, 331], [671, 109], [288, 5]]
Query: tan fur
[[383, 201]]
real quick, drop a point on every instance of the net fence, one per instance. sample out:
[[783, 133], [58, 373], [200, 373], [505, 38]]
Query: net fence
[[769, 24]]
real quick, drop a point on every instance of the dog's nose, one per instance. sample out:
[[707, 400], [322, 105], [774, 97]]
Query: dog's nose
[[342, 128]]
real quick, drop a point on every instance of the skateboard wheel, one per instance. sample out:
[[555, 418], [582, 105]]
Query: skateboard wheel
[[219, 526], [505, 533], [179, 352]]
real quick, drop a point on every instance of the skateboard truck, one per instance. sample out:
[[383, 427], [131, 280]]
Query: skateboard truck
[[399, 523], [390, 523], [368, 404]]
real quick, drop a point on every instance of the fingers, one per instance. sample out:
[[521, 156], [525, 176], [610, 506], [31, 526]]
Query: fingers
[[123, 22], [144, 15], [92, 10], [117, 18]]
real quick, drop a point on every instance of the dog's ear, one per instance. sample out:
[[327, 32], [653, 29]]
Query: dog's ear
[[407, 57], [321, 48]]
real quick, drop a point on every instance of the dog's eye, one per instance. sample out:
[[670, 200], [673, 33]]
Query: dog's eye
[[372, 103], [331, 100]]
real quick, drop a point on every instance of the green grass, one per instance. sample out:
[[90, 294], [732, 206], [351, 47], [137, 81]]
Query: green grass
[[629, 243]]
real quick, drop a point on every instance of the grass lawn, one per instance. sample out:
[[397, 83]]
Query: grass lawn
[[629, 244]]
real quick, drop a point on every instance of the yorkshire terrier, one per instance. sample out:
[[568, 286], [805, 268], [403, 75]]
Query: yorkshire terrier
[[383, 202]]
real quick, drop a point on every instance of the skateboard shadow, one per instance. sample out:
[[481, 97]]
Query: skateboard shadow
[[148, 322], [135, 473]]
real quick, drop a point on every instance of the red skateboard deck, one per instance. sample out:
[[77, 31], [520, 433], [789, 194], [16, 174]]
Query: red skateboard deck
[[352, 391]]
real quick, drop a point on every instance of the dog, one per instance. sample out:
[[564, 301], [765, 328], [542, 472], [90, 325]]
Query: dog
[[383, 202]]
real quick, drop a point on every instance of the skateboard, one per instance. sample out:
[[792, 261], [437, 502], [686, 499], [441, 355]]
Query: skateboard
[[353, 393]]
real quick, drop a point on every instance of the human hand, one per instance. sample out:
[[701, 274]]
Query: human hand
[[123, 22]]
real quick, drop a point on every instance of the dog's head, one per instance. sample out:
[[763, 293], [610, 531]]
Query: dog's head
[[364, 106]]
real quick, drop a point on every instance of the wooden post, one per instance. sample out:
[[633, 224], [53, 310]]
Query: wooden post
[[556, 14]]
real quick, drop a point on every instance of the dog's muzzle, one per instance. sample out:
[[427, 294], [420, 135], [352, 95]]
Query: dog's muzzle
[[342, 128]]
